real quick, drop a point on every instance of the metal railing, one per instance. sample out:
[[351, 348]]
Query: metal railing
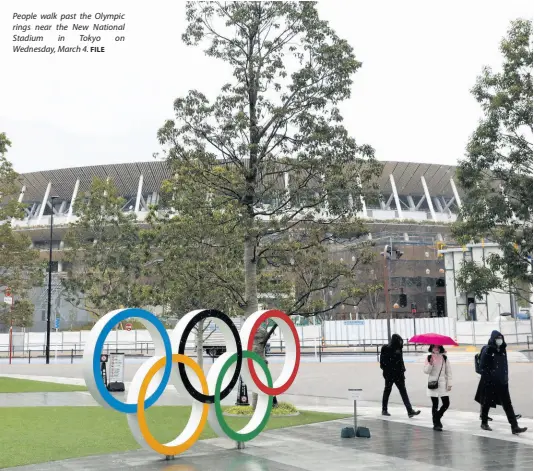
[[309, 347]]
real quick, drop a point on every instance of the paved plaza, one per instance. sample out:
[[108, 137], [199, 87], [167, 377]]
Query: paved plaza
[[397, 442], [332, 380], [318, 447]]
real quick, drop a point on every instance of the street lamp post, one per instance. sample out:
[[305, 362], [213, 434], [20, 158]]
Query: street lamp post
[[52, 198]]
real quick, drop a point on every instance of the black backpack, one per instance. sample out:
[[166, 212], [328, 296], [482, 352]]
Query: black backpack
[[477, 360]]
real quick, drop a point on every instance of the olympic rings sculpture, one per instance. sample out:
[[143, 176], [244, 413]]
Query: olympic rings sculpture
[[220, 381]]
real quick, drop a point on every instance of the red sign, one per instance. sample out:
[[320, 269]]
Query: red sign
[[8, 292], [128, 326]]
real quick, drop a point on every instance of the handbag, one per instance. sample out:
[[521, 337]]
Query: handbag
[[435, 384]]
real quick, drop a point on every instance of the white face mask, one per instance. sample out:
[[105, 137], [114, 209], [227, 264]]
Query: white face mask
[[498, 342], [435, 350]]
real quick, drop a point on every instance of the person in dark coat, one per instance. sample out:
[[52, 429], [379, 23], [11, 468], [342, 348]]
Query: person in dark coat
[[392, 366], [493, 388]]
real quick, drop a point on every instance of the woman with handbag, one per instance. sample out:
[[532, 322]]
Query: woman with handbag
[[439, 372]]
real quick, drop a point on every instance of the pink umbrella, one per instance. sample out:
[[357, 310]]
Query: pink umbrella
[[433, 339]]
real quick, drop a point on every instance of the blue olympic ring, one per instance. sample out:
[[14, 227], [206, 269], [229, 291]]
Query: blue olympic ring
[[119, 317]]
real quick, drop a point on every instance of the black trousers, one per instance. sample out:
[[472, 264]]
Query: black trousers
[[401, 386], [501, 392], [437, 414]]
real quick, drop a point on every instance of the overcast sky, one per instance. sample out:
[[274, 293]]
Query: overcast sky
[[410, 99]]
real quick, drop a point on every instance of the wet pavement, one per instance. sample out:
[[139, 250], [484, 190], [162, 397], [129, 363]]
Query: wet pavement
[[397, 442], [334, 379], [318, 447]]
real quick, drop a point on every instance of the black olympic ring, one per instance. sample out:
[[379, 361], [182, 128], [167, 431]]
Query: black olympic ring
[[207, 399]]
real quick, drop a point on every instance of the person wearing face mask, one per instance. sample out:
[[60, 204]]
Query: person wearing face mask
[[439, 372], [493, 387], [392, 366]]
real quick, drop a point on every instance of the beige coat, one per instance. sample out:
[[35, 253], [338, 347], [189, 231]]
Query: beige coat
[[433, 371]]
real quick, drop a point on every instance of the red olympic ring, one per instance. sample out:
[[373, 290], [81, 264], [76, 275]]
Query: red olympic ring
[[274, 391]]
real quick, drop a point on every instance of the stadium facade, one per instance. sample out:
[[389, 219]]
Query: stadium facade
[[417, 205]]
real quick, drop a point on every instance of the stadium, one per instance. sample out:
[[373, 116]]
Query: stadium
[[417, 204]]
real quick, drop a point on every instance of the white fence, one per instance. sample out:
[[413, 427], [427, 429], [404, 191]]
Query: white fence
[[334, 333], [478, 333], [375, 332], [134, 340]]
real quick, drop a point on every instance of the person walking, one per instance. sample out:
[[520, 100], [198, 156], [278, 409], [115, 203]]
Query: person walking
[[392, 366], [472, 311], [477, 367], [493, 387], [439, 372]]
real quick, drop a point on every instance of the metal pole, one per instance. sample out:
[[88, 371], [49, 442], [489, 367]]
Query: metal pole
[[55, 355], [474, 334], [355, 416], [516, 335], [11, 329], [386, 293], [49, 290]]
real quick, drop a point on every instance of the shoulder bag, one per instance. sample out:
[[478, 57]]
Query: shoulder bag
[[435, 384]]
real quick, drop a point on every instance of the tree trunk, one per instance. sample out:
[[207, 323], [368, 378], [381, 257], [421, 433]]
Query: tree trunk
[[260, 342], [251, 274], [251, 277], [200, 343], [251, 297]]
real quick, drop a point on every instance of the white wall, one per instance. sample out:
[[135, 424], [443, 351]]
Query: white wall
[[375, 332], [478, 333], [340, 333]]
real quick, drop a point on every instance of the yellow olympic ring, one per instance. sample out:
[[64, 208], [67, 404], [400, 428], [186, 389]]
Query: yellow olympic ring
[[168, 449]]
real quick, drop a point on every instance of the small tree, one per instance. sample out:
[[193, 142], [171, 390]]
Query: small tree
[[108, 257], [20, 267], [276, 121], [196, 259], [496, 173], [272, 145]]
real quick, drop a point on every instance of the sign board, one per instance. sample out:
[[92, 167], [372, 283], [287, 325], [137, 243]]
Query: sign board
[[354, 322], [7, 292], [56, 325], [355, 394], [128, 326], [116, 372], [8, 299]]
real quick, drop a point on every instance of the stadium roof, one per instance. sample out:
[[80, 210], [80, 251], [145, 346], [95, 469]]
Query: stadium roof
[[407, 176]]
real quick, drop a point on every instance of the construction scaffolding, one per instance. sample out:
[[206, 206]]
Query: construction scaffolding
[[412, 275], [42, 301]]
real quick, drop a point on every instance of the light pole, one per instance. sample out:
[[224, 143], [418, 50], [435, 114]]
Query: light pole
[[52, 198]]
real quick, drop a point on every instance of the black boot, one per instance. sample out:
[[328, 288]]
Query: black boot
[[485, 426], [517, 430], [440, 425], [435, 420], [489, 418], [413, 413], [386, 413]]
